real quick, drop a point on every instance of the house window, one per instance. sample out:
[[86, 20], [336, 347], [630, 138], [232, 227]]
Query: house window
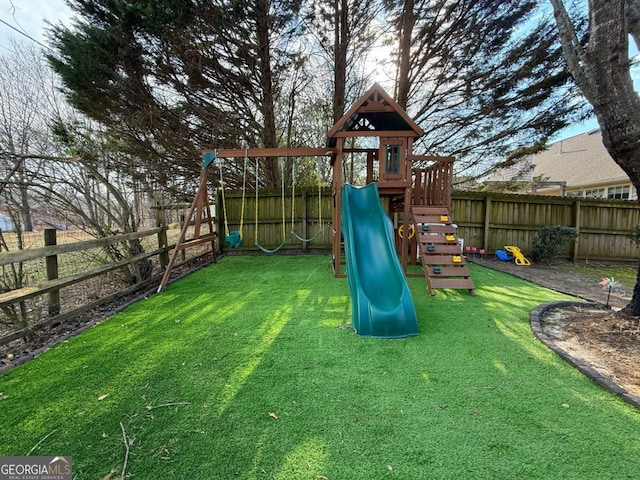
[[595, 193], [392, 160], [620, 193], [575, 193]]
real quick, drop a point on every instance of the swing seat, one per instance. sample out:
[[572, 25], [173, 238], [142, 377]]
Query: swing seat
[[234, 239], [306, 240], [272, 250]]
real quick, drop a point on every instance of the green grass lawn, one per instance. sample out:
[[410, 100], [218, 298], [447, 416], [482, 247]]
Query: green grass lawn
[[266, 383]]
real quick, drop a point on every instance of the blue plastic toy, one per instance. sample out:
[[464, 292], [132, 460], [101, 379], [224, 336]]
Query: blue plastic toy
[[504, 256]]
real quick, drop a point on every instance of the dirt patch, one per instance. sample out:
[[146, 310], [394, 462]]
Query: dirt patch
[[602, 338], [606, 340], [581, 281]]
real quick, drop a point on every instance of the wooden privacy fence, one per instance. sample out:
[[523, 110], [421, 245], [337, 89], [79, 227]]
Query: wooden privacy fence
[[485, 220], [311, 219], [491, 221]]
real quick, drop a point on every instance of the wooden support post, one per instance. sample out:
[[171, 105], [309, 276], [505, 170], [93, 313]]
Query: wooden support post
[[220, 222], [185, 223], [212, 232], [404, 241], [305, 231], [185, 226], [51, 261], [336, 192], [370, 158], [163, 242]]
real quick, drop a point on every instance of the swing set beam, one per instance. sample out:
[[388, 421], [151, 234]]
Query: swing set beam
[[272, 152]]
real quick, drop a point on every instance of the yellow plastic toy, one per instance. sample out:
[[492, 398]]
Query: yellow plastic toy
[[411, 230], [519, 258], [449, 238], [444, 218], [456, 259]]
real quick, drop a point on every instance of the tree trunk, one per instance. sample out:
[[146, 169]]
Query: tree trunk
[[341, 36], [601, 70], [615, 102], [25, 210], [633, 308], [269, 133], [406, 34], [634, 21]]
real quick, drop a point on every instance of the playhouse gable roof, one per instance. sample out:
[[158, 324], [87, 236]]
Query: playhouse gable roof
[[375, 114]]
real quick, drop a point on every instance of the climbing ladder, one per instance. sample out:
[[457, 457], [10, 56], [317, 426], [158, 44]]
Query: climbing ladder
[[443, 263]]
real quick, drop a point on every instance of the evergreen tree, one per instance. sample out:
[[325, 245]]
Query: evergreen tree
[[171, 77], [344, 32]]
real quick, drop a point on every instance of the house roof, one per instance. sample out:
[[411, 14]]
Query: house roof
[[581, 160], [377, 112], [578, 161]]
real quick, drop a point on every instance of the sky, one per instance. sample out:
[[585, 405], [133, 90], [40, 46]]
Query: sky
[[31, 16]]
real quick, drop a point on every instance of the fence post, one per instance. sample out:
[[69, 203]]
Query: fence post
[[183, 253], [486, 237], [51, 261], [161, 221], [576, 222]]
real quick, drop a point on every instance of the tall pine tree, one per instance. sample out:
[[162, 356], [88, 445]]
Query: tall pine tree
[[170, 77]]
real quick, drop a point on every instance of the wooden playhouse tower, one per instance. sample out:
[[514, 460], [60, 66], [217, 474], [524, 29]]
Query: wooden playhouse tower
[[415, 188]]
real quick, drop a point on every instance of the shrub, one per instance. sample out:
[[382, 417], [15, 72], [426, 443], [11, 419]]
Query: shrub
[[549, 240], [634, 235]]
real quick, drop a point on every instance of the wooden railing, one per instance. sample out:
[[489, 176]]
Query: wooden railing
[[432, 184]]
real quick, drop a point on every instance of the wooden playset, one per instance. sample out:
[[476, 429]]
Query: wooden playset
[[415, 189]]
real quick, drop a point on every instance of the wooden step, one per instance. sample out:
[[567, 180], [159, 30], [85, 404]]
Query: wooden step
[[436, 230], [428, 238], [452, 275], [448, 271], [432, 219], [440, 249], [456, 283], [429, 210], [430, 214], [441, 260]]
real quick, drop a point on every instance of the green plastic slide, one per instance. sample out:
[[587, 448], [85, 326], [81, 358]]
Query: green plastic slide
[[380, 300]]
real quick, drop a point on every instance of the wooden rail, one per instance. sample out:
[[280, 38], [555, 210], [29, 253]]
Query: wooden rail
[[34, 253], [52, 285]]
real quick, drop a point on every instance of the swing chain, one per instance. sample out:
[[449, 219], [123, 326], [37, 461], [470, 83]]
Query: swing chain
[[293, 200], [284, 238]]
